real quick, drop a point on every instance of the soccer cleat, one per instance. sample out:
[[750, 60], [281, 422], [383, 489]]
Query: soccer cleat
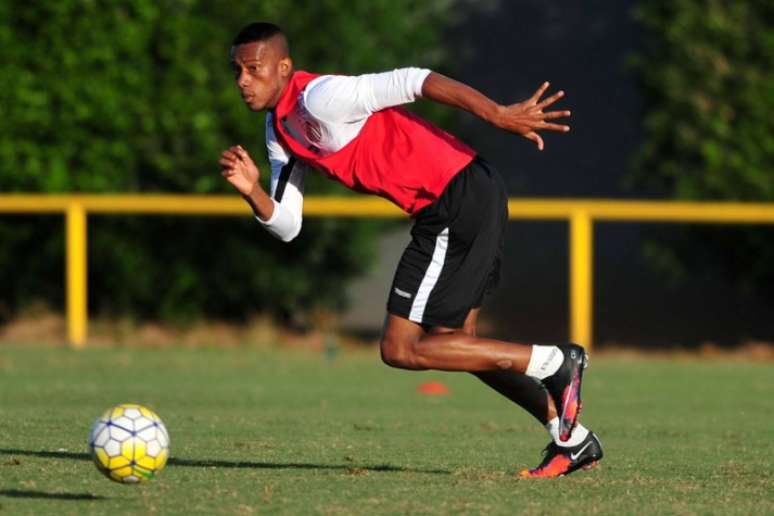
[[563, 460], [564, 386]]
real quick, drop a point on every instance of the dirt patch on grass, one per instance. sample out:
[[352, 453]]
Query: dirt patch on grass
[[41, 326], [47, 328]]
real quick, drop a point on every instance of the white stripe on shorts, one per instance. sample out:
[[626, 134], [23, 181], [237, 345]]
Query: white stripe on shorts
[[431, 277]]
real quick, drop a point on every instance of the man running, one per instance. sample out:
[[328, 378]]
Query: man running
[[353, 130]]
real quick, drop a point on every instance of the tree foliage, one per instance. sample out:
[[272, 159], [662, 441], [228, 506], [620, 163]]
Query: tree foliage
[[138, 96], [707, 73]]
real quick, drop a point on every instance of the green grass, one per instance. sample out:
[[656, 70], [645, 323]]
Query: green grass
[[257, 431]]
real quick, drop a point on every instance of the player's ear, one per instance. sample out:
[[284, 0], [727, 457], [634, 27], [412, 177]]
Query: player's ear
[[285, 66]]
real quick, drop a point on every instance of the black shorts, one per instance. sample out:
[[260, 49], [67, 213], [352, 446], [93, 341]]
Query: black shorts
[[455, 252]]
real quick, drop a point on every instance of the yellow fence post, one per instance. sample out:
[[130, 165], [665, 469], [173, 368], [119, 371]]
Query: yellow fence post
[[77, 311], [581, 278]]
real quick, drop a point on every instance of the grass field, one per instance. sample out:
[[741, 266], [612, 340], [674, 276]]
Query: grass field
[[261, 431]]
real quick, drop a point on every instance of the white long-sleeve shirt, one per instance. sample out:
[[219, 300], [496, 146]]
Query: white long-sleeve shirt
[[330, 113]]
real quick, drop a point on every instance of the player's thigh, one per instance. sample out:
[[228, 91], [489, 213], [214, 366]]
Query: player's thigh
[[468, 327]]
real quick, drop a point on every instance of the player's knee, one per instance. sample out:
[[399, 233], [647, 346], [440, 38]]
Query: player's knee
[[398, 353]]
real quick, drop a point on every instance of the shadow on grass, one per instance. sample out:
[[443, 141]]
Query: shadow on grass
[[15, 493], [216, 463]]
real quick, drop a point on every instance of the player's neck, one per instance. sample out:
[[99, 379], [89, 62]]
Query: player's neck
[[271, 106]]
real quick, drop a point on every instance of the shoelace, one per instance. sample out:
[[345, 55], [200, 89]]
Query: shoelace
[[545, 451]]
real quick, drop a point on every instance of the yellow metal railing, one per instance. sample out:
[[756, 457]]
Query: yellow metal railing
[[581, 215]]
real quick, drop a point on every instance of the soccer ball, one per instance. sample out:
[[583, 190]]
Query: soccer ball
[[129, 443]]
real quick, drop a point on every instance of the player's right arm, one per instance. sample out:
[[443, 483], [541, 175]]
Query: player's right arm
[[524, 118], [280, 212]]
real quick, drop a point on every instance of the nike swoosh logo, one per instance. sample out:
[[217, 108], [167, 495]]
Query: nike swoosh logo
[[574, 456]]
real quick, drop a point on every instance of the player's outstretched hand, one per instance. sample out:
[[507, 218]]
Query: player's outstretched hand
[[239, 169], [528, 117]]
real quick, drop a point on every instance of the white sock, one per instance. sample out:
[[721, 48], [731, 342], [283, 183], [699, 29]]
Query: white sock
[[544, 361], [579, 433]]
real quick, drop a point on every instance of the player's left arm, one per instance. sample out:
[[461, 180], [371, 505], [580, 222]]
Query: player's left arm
[[342, 99], [524, 118]]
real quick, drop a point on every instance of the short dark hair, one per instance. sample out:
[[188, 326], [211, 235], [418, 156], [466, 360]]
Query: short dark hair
[[257, 31]]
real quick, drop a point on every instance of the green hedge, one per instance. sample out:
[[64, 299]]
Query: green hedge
[[138, 96]]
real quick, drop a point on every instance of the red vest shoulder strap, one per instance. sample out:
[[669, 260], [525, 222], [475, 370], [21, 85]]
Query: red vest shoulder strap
[[287, 102]]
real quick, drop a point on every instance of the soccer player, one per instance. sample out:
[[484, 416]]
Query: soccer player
[[353, 130]]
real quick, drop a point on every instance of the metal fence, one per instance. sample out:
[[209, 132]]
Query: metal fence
[[580, 214]]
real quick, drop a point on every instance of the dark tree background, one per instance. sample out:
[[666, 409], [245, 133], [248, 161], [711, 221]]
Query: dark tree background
[[138, 97], [675, 293]]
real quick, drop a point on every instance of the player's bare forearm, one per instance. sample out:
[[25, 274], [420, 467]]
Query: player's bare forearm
[[523, 118], [454, 93], [260, 202], [240, 170]]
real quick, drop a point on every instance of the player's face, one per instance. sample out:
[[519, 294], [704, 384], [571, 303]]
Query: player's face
[[260, 74]]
